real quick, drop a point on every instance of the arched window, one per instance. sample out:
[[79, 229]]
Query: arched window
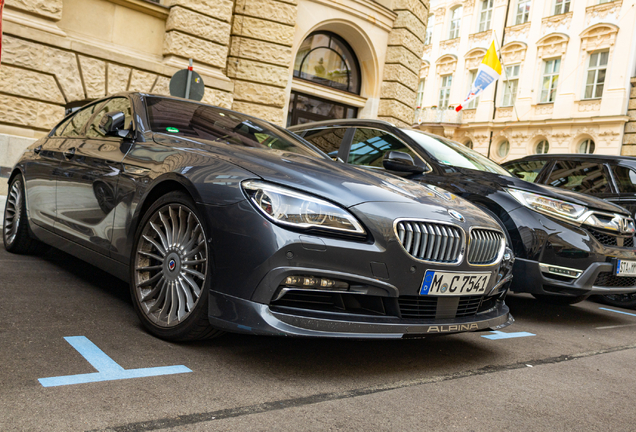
[[455, 21], [503, 148], [542, 147], [586, 146], [469, 144], [326, 59]]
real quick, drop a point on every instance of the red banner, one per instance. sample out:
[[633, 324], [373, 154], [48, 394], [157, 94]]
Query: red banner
[[1, 6]]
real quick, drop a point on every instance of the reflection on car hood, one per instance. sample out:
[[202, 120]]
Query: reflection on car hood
[[341, 183], [562, 194]]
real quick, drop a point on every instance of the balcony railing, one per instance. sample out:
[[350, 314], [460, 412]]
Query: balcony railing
[[437, 115]]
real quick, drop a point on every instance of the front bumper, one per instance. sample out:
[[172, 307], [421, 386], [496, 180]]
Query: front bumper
[[244, 316], [535, 281]]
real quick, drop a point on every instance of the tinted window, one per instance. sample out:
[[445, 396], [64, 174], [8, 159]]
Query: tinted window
[[60, 129], [454, 154], [116, 104], [369, 146], [204, 122], [327, 140], [585, 177], [78, 121], [527, 170], [625, 179]]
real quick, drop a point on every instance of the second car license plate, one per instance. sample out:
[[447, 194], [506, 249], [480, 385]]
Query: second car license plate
[[625, 268], [441, 283]]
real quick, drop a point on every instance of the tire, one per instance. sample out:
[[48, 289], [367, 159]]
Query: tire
[[627, 301], [170, 271], [560, 299], [15, 229]]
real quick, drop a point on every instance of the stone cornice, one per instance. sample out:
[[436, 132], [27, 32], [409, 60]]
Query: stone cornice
[[604, 7], [517, 30], [365, 9], [144, 6], [554, 21]]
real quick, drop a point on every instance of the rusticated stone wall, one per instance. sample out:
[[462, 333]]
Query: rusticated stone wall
[[260, 56], [50, 9], [403, 61]]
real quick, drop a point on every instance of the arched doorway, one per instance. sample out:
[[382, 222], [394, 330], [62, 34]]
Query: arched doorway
[[324, 58]]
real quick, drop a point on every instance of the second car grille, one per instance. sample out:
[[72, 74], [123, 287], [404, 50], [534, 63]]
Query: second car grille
[[610, 239], [431, 241], [607, 279], [484, 246]]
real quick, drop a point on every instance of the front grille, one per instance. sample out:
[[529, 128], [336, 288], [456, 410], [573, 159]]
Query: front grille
[[609, 239], [431, 241], [425, 307], [484, 246], [610, 280]]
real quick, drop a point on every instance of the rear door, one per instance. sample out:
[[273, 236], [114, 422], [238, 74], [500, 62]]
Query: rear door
[[86, 191], [585, 176], [625, 178]]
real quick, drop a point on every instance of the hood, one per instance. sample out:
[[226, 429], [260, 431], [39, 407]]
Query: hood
[[341, 183], [552, 192]]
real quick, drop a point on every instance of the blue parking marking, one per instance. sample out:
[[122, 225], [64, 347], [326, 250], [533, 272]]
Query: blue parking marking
[[617, 311], [501, 335], [107, 369]]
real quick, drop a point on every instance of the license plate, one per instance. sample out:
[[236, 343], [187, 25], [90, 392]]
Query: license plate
[[625, 268], [441, 283]]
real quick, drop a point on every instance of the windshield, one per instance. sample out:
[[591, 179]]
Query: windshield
[[454, 154], [198, 121]]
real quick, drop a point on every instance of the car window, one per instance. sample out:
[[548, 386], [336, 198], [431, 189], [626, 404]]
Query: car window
[[526, 170], [586, 177], [115, 104], [625, 179], [78, 121], [327, 140], [205, 122], [60, 129], [454, 154], [369, 146]]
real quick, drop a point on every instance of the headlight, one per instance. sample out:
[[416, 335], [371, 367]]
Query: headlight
[[550, 206], [292, 208]]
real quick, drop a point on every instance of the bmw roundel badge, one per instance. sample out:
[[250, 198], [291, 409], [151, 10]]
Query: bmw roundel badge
[[172, 264], [456, 215]]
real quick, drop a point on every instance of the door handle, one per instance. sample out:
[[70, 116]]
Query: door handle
[[37, 150], [68, 154]]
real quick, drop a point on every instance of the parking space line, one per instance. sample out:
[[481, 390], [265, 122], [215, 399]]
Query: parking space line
[[617, 311], [108, 369], [501, 335]]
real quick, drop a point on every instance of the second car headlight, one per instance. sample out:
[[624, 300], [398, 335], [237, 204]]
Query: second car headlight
[[550, 206], [289, 207]]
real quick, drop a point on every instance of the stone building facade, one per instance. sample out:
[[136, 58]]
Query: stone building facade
[[57, 54], [566, 81]]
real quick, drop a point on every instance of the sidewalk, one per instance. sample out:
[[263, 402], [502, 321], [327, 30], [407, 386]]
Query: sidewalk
[[3, 200]]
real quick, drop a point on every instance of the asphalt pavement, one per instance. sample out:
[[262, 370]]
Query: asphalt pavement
[[557, 368]]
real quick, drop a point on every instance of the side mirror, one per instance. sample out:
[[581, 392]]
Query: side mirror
[[113, 123], [400, 161]]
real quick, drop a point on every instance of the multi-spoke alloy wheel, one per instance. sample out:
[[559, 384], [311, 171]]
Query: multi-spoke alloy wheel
[[171, 262], [13, 212]]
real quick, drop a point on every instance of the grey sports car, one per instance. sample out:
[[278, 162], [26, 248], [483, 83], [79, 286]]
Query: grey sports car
[[224, 222]]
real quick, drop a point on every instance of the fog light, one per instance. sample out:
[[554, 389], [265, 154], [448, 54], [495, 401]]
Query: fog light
[[315, 282]]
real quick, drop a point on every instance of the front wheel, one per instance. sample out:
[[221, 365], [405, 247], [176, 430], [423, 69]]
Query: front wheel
[[627, 301], [560, 299], [15, 232], [171, 271]]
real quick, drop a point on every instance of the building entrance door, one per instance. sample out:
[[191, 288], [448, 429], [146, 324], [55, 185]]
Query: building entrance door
[[304, 108]]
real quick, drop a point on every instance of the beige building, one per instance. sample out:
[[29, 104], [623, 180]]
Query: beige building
[[566, 81], [287, 61]]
